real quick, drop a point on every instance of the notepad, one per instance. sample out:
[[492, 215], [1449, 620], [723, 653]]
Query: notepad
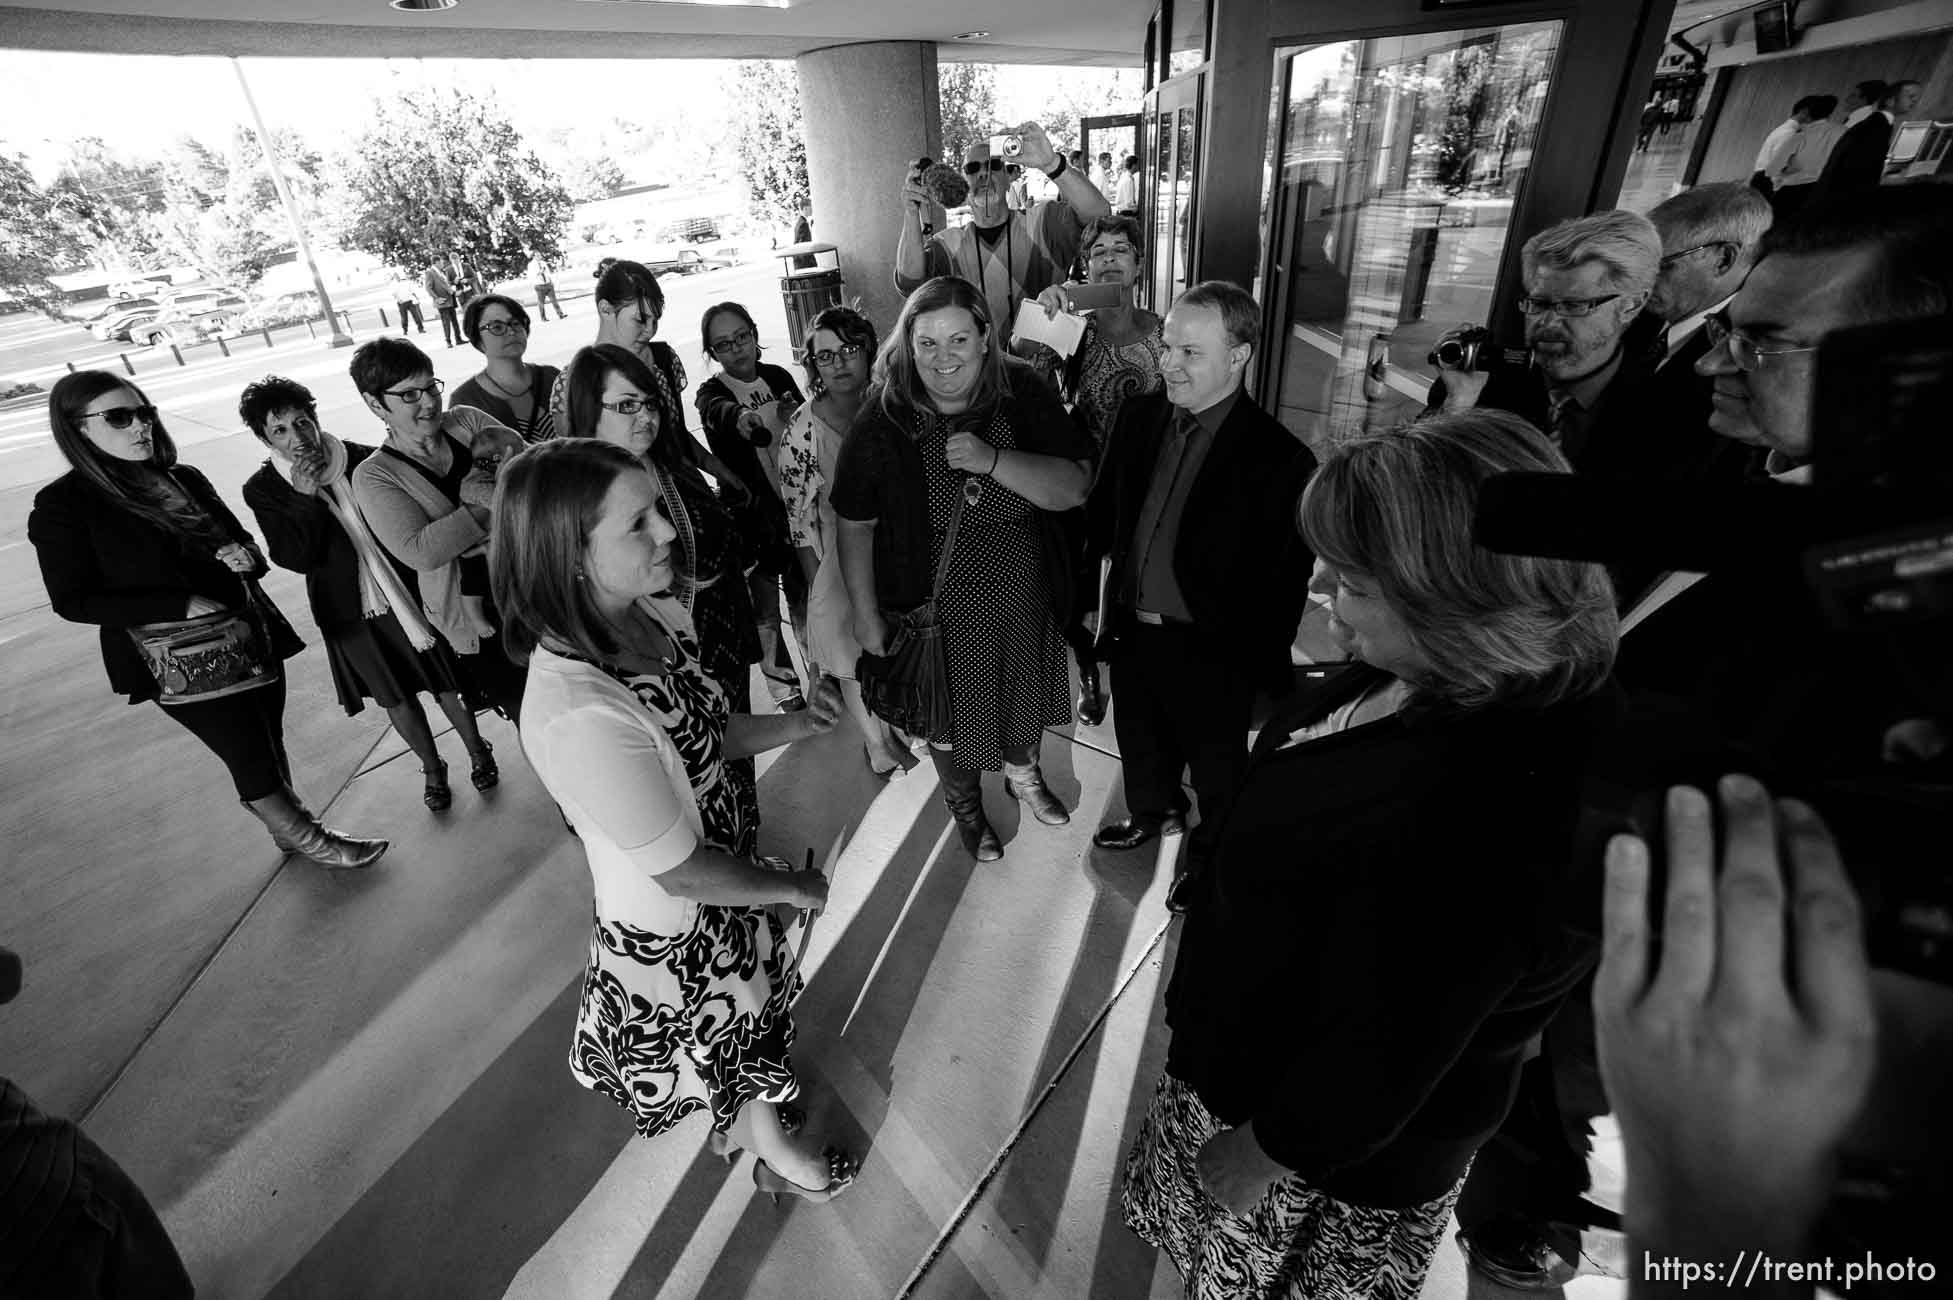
[[1060, 333]]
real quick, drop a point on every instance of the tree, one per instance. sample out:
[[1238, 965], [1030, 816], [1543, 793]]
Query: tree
[[35, 240], [107, 201], [770, 139], [442, 174], [967, 94]]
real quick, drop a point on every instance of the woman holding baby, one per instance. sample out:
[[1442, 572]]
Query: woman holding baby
[[378, 644], [427, 499]]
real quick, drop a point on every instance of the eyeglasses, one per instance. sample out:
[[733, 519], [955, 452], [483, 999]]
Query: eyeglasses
[[121, 417], [412, 395], [994, 164], [1742, 348], [500, 327], [626, 405], [732, 343], [835, 356], [1670, 259], [1532, 306]]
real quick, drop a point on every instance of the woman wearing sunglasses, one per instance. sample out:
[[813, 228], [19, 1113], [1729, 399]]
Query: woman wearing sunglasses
[[132, 541], [410, 493], [945, 491], [514, 391], [840, 350], [379, 645]]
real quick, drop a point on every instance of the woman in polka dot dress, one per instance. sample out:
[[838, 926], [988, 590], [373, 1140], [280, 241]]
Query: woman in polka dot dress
[[951, 419]]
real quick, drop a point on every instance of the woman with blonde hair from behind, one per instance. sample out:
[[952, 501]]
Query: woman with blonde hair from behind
[[1391, 917]]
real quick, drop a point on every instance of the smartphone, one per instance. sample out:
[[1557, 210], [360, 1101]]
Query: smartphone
[[1084, 297]]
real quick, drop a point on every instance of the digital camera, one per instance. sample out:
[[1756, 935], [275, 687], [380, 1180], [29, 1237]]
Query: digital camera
[[1006, 146], [1473, 349]]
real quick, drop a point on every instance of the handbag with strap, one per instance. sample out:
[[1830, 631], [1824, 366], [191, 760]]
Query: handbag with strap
[[209, 656], [908, 687]]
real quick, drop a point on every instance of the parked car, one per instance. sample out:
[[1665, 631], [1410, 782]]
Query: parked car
[[669, 260], [92, 313], [116, 324], [282, 309], [202, 316], [137, 288]]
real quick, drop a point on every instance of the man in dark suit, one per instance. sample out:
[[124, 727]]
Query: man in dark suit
[[1587, 284], [1195, 505], [1857, 163]]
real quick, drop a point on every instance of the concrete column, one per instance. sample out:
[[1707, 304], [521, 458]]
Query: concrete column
[[870, 110]]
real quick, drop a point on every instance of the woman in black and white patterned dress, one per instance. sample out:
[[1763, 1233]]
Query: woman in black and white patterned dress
[[688, 995], [950, 420], [1393, 913]]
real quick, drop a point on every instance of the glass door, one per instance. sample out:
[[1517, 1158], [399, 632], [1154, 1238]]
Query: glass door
[[1170, 178], [1396, 166], [1118, 136]]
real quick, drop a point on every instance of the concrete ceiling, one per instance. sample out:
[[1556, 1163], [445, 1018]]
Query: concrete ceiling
[[1094, 32]]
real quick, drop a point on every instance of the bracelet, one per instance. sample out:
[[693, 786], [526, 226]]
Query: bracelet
[[1057, 171], [996, 454]]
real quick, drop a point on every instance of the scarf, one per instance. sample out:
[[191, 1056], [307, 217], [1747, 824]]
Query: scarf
[[380, 589]]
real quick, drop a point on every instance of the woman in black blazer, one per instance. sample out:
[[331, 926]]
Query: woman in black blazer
[[367, 605], [1392, 914], [130, 537]]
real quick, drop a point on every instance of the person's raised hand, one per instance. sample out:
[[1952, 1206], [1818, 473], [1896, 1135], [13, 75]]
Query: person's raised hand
[[1235, 1171], [1037, 151], [1462, 388], [969, 453], [825, 706], [1737, 1057], [914, 195], [1054, 299]]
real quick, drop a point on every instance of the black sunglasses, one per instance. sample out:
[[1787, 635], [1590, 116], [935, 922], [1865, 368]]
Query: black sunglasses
[[121, 417], [994, 164]]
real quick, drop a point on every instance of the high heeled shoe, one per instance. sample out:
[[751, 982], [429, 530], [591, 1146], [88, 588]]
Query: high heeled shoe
[[482, 771], [792, 1119], [436, 793], [841, 1171]]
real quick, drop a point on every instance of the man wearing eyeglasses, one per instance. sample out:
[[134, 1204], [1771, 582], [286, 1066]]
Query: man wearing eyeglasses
[[1011, 256], [1587, 282]]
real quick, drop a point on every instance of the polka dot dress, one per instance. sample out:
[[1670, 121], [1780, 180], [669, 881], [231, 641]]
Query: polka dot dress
[[1006, 659]]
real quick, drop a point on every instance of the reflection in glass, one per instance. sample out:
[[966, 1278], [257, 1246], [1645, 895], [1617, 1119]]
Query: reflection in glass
[[1392, 187], [1188, 48]]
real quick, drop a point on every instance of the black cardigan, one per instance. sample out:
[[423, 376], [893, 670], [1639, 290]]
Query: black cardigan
[[879, 478], [1394, 916], [301, 535], [1241, 563], [106, 566], [719, 412]]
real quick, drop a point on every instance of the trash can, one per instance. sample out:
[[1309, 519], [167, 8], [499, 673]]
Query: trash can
[[807, 295]]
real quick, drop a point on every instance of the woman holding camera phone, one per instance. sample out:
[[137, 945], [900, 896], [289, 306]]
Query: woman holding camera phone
[[135, 543], [1119, 357]]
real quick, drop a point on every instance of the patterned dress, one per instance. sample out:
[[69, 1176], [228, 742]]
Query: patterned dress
[[675, 1023], [1108, 374], [1008, 679]]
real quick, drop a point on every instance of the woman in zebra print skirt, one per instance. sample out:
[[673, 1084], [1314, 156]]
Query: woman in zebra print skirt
[[1389, 921]]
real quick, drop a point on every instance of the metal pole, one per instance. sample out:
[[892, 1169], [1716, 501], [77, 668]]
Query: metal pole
[[339, 339]]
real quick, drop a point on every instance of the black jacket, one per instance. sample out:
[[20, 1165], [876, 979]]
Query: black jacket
[[301, 534], [1857, 161], [719, 412], [1393, 915], [1241, 563], [105, 566]]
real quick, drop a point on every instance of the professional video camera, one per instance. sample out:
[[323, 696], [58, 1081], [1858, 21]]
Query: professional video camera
[[1868, 545]]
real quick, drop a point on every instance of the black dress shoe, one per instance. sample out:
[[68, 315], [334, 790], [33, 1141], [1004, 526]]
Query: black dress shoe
[[1173, 824], [1181, 893], [1091, 697], [1128, 834]]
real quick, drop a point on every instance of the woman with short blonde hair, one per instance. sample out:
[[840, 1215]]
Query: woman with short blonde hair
[[1386, 926]]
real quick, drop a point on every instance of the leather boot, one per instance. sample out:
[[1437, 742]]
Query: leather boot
[[1026, 785], [297, 831], [1091, 691], [963, 796]]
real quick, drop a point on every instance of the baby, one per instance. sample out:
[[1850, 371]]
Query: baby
[[489, 444]]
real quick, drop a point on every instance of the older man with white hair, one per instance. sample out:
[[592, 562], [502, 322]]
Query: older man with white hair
[[1587, 282]]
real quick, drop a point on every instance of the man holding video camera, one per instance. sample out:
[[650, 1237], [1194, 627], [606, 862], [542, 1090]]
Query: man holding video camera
[[1010, 255], [1586, 380]]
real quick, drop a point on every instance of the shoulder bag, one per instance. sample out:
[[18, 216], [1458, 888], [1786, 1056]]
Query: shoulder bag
[[209, 656], [909, 686]]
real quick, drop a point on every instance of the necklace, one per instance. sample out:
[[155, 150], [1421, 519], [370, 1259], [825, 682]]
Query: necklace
[[529, 375]]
